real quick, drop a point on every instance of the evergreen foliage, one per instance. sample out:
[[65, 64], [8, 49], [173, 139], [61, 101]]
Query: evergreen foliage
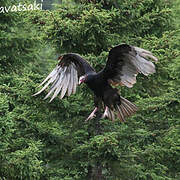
[[41, 140]]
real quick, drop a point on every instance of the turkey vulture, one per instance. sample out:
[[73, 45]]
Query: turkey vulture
[[123, 64]]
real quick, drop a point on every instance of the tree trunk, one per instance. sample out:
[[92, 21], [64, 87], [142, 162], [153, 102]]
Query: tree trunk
[[95, 173]]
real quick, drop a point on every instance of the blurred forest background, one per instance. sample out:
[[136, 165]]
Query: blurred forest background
[[51, 141]]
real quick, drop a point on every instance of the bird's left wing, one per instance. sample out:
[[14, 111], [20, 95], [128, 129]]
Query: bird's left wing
[[125, 62], [64, 77]]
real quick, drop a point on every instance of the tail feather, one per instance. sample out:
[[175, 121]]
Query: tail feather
[[110, 114], [125, 101], [126, 109], [126, 112], [120, 114]]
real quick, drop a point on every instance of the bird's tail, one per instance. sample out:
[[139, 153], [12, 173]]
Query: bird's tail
[[125, 109]]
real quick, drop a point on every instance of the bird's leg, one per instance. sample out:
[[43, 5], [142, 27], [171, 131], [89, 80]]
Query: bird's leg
[[92, 115], [105, 113], [108, 113]]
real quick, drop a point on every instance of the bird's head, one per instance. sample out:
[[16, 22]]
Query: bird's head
[[82, 79], [86, 78]]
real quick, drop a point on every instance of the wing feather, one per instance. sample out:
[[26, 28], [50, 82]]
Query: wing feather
[[75, 82], [64, 77], [144, 53], [65, 85], [58, 89], [49, 82], [71, 82], [59, 85], [56, 84], [125, 62], [49, 76]]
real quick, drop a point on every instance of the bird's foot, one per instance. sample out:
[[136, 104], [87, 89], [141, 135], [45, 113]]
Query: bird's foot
[[108, 113], [92, 115], [105, 113]]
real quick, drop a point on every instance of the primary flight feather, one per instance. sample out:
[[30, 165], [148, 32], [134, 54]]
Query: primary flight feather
[[123, 65]]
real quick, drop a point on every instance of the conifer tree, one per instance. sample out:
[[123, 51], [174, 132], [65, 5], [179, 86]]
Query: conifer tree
[[41, 140], [113, 150], [19, 45]]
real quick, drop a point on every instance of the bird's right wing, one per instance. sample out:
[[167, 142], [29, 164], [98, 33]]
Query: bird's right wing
[[64, 77]]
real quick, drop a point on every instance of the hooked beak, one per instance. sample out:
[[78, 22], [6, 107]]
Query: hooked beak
[[81, 80]]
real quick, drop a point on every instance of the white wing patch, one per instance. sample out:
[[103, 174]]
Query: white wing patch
[[63, 79]]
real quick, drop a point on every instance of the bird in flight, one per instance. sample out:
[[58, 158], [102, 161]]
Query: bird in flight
[[123, 64]]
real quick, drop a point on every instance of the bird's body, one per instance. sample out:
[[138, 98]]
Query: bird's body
[[96, 83], [101, 88], [123, 64]]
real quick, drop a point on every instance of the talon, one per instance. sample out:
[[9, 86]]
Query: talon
[[105, 113], [108, 113], [92, 115]]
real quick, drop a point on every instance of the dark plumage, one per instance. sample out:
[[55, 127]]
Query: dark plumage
[[123, 64]]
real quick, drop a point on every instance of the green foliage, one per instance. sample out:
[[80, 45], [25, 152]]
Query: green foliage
[[71, 26], [41, 140], [17, 39]]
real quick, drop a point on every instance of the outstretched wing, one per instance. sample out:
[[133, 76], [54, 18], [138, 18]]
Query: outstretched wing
[[125, 62], [64, 77]]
